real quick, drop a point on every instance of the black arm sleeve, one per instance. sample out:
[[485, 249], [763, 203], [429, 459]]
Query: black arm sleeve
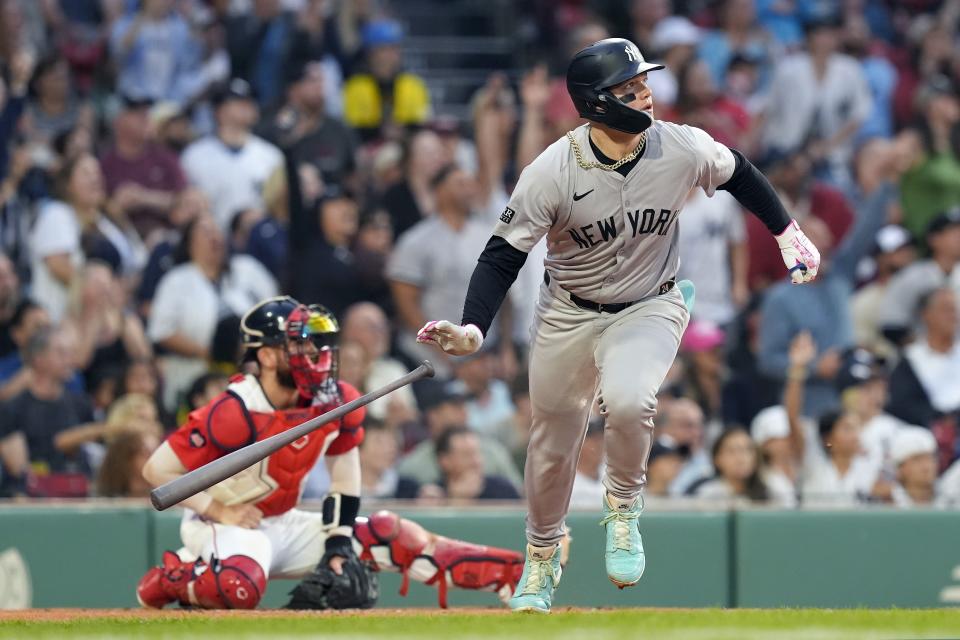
[[496, 270], [752, 189]]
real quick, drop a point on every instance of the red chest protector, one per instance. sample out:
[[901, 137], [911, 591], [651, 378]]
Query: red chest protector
[[241, 416]]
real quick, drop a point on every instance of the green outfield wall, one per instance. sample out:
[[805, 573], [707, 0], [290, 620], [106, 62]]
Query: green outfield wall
[[91, 555]]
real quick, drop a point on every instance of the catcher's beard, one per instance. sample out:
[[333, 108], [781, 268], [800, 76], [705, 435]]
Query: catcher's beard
[[285, 376]]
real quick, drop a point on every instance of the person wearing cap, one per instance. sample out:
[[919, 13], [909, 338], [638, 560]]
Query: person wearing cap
[[835, 468], [142, 178], [902, 297], [924, 385], [675, 40], [914, 455], [232, 165], [154, 51], [305, 128], [444, 407], [829, 112], [893, 250], [770, 430], [384, 97], [863, 387], [932, 183], [587, 486]]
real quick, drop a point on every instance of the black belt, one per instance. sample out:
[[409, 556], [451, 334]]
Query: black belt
[[609, 307]]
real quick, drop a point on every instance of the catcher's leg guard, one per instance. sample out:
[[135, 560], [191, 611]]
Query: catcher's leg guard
[[236, 582], [392, 543]]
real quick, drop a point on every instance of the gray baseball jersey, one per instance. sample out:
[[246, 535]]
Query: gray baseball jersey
[[612, 238]]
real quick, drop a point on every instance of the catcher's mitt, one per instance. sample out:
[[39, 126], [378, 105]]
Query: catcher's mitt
[[357, 588]]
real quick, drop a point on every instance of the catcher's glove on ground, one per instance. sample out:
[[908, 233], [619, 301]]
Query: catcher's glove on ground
[[357, 588], [452, 338], [799, 254]]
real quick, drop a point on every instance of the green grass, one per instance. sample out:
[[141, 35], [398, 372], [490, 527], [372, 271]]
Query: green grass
[[622, 624]]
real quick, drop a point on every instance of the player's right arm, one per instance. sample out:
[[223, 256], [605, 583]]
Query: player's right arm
[[164, 466], [527, 218], [209, 433]]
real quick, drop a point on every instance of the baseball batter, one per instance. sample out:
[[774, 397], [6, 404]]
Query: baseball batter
[[610, 314]]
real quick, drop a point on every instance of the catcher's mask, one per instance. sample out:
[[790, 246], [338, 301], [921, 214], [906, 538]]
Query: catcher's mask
[[594, 70], [308, 335], [313, 350]]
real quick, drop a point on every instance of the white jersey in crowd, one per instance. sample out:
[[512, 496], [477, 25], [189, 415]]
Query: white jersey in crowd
[[610, 238], [232, 179], [821, 483], [57, 232], [707, 229], [187, 303]]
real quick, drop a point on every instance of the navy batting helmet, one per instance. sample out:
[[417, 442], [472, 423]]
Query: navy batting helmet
[[600, 66], [265, 325]]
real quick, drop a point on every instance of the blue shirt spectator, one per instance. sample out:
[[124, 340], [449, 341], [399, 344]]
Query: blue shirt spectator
[[155, 53], [821, 307]]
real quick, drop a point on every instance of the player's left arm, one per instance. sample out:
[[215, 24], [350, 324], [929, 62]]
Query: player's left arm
[[729, 170], [342, 504]]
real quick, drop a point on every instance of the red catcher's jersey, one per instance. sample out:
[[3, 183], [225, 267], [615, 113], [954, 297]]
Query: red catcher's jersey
[[241, 416]]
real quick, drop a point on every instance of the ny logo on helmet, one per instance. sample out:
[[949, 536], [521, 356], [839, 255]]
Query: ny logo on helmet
[[633, 54]]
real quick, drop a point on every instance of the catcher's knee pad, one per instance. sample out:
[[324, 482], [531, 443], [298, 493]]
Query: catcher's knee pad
[[236, 582], [166, 583]]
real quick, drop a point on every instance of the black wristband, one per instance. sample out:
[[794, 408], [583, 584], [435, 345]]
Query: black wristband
[[340, 510], [339, 546]]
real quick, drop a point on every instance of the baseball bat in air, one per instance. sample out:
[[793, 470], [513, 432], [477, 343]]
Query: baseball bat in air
[[202, 478]]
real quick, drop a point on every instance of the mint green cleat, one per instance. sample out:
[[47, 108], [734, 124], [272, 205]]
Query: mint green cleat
[[541, 575], [624, 550]]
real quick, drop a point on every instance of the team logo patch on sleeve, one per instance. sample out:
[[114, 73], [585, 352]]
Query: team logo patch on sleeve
[[507, 215], [196, 439]]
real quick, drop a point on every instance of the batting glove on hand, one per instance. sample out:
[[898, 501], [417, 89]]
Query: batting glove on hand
[[452, 338], [799, 254]]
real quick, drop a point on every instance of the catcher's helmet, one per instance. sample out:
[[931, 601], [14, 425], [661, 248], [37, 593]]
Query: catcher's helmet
[[600, 66], [265, 325], [309, 336]]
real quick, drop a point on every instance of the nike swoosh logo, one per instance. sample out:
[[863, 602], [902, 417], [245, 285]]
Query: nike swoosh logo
[[580, 196]]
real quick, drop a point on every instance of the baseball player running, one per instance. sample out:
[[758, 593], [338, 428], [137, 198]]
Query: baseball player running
[[247, 529], [610, 314]]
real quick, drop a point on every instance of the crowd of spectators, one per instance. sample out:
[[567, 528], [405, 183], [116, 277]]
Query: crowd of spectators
[[165, 164]]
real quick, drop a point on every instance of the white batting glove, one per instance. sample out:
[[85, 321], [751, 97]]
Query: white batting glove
[[799, 254], [452, 338]]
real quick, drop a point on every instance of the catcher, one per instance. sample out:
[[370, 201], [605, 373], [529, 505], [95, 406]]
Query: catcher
[[246, 530]]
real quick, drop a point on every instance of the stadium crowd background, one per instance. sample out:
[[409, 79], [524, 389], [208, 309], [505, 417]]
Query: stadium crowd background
[[165, 164]]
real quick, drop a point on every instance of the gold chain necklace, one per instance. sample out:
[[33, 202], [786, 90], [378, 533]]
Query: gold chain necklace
[[578, 152]]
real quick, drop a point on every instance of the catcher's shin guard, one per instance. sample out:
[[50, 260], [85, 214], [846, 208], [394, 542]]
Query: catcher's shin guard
[[393, 543], [236, 582]]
